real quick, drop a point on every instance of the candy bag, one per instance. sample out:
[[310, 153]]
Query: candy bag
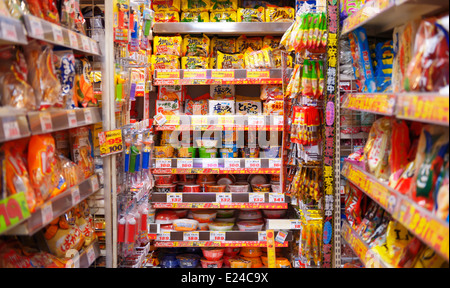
[[64, 62], [81, 150], [168, 46], [72, 173], [84, 89]]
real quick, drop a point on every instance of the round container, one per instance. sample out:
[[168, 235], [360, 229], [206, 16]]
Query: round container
[[184, 225], [216, 188], [187, 152], [166, 188], [207, 143], [193, 250], [203, 178], [274, 214], [229, 136], [203, 227], [249, 152], [188, 178], [226, 220], [205, 184], [204, 216], [250, 225], [225, 213], [271, 152], [257, 179], [238, 188], [165, 217], [276, 188], [188, 260], [191, 188], [255, 261], [250, 252], [211, 264], [251, 214], [164, 151], [226, 260], [275, 178], [240, 263], [220, 226], [208, 152], [225, 181], [180, 185], [164, 179], [213, 253], [232, 251], [258, 188], [181, 213], [169, 261], [166, 228]]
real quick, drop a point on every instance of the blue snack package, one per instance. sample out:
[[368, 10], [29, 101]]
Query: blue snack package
[[383, 72], [64, 61]]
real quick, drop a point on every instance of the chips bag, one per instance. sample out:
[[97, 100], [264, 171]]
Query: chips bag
[[64, 61], [376, 151], [84, 88], [81, 150]]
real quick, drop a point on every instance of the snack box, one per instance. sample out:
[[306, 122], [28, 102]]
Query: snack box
[[248, 107], [221, 107]]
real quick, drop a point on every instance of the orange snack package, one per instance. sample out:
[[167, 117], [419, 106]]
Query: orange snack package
[[81, 149]]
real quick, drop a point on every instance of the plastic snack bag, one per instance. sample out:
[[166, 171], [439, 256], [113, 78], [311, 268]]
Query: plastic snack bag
[[223, 16], [72, 173], [273, 107], [194, 17], [243, 43], [271, 92], [280, 14], [84, 89], [442, 195], [167, 45], [230, 61], [81, 150], [222, 92], [272, 42], [64, 61], [197, 106], [50, 11], [196, 46], [251, 15], [376, 151], [223, 5], [171, 93], [195, 5], [167, 17], [163, 62], [85, 222], [35, 8], [166, 5], [194, 63], [225, 45]]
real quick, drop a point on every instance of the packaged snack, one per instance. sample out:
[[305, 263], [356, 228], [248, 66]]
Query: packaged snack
[[171, 93], [15, 92], [50, 11], [84, 88], [81, 150], [259, 59], [166, 5], [272, 92], [377, 149], [194, 17], [230, 61], [167, 45], [428, 258], [193, 62], [442, 195], [195, 5], [273, 107], [280, 14], [248, 107], [221, 107], [4, 11], [225, 45], [35, 8], [168, 107], [72, 173], [65, 70], [223, 5], [272, 42], [223, 16], [221, 92], [196, 46], [198, 106], [243, 43], [162, 62], [85, 222], [16, 8], [251, 15], [167, 17]]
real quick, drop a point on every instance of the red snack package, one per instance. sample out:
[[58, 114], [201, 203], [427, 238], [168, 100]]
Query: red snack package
[[50, 11], [35, 8]]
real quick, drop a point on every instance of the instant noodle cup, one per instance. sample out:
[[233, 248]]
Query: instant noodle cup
[[164, 179], [208, 152], [250, 225], [220, 226], [250, 214], [204, 216], [166, 188], [255, 261], [226, 220], [164, 151], [211, 264], [188, 178], [227, 258], [274, 214], [191, 188], [165, 217], [250, 152], [240, 263], [216, 188], [185, 225], [205, 184], [271, 152], [275, 178], [225, 213], [238, 188], [250, 252], [232, 251], [203, 178], [213, 253], [258, 188], [188, 260], [181, 213], [203, 227]]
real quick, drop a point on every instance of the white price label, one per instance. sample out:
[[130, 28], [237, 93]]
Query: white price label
[[10, 128], [281, 237], [58, 34], [256, 121], [199, 120], [94, 183], [275, 163], [74, 262], [47, 213], [76, 197], [174, 197], [256, 197], [223, 198], [191, 236], [90, 253], [253, 163], [88, 116], [163, 163], [164, 236], [276, 198], [46, 121], [296, 224], [94, 47], [185, 163], [262, 236], [73, 39], [9, 31], [217, 236], [232, 163], [86, 44], [72, 117], [160, 119], [278, 121], [210, 163], [37, 31]]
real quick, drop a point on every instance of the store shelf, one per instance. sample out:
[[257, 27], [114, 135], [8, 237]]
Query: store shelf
[[12, 31], [40, 29], [56, 207], [217, 166], [13, 126], [217, 76], [369, 258], [86, 258], [222, 28], [377, 103], [382, 16], [424, 107], [425, 225], [219, 201], [361, 135]]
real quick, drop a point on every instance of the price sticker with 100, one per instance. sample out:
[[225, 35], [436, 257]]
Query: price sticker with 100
[[191, 236], [110, 142], [217, 236]]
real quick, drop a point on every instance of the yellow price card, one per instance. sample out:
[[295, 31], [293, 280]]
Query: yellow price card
[[110, 142]]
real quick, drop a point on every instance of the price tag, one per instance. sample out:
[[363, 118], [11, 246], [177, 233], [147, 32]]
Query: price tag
[[88, 116], [199, 120], [232, 163], [173, 120], [185, 163], [276, 198], [210, 163], [73, 39], [168, 74], [85, 43], [57, 34], [9, 31], [281, 237], [47, 213], [194, 74], [253, 163], [72, 117], [262, 236], [223, 198], [226, 120], [164, 236], [222, 74], [10, 128], [278, 120], [275, 163], [110, 142], [256, 197], [296, 224], [74, 262], [37, 31], [90, 253], [256, 121], [191, 236], [260, 74], [160, 119], [94, 183], [174, 198], [163, 163], [76, 197], [217, 236], [94, 47], [46, 121]]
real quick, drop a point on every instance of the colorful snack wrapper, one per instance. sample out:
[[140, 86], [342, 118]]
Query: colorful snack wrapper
[[167, 17], [221, 92], [167, 45], [196, 46], [84, 88], [248, 107], [195, 5], [273, 107], [168, 107], [272, 42], [166, 5], [243, 43], [230, 61], [221, 107], [65, 70], [251, 14], [225, 45], [223, 5], [194, 63], [228, 16], [171, 93], [162, 62], [194, 17], [196, 107], [280, 14]]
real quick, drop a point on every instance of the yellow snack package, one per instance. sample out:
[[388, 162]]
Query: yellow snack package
[[277, 55], [162, 62], [196, 46], [242, 43], [230, 61], [225, 45], [194, 17], [167, 45], [192, 62], [167, 17], [251, 15], [166, 5], [272, 42], [273, 107], [224, 5], [227, 16], [195, 5], [280, 14]]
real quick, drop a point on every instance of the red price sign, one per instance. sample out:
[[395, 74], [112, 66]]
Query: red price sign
[[191, 236], [262, 236], [296, 225], [110, 142], [11, 128], [185, 163], [276, 198], [46, 121], [253, 163], [9, 31], [72, 118], [275, 163], [210, 163], [58, 34], [73, 39]]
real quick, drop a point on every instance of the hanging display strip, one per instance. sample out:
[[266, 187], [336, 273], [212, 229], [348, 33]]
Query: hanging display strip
[[40, 29], [13, 127], [427, 227], [12, 31], [383, 104], [429, 108], [214, 77], [56, 207], [369, 258], [219, 200]]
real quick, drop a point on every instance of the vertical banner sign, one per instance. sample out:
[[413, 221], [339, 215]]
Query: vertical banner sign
[[285, 140], [329, 132]]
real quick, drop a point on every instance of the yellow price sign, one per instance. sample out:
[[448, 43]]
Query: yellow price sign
[[260, 74], [110, 142], [222, 74]]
